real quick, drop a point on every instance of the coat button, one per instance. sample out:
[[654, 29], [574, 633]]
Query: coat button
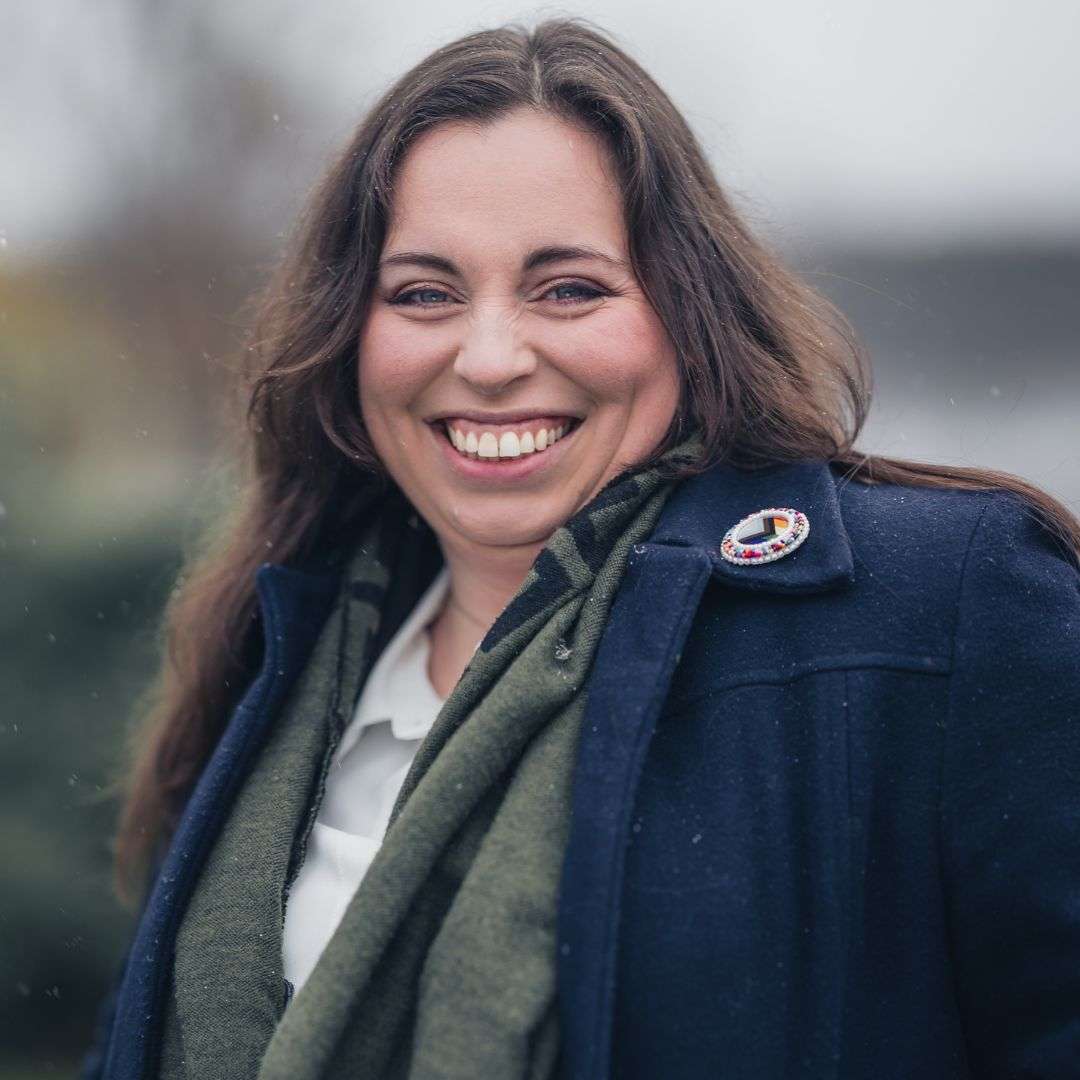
[[764, 536]]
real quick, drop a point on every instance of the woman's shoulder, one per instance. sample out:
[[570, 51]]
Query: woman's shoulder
[[985, 565], [950, 533], [970, 585], [905, 544]]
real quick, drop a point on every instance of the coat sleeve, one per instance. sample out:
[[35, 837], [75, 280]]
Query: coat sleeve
[[1011, 799]]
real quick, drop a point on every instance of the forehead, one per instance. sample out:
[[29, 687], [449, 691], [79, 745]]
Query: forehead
[[526, 178]]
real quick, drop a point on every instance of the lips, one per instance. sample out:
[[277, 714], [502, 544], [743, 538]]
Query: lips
[[508, 471], [503, 419]]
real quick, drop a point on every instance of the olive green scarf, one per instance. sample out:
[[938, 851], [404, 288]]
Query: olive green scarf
[[444, 963]]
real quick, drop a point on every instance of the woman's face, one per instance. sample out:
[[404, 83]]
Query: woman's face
[[506, 310]]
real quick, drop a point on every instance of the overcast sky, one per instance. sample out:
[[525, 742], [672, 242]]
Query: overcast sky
[[908, 122]]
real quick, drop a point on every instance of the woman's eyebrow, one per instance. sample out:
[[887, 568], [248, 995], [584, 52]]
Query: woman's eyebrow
[[538, 257]]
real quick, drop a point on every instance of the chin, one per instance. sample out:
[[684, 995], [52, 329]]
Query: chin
[[508, 527]]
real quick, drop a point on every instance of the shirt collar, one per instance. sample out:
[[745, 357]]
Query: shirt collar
[[398, 688]]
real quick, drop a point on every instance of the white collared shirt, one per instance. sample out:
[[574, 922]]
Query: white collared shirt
[[395, 710]]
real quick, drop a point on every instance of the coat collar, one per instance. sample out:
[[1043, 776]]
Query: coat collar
[[705, 506]]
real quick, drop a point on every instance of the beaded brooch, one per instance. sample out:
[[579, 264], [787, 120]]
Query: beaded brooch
[[764, 536]]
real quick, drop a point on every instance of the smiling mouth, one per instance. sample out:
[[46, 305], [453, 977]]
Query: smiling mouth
[[507, 443]]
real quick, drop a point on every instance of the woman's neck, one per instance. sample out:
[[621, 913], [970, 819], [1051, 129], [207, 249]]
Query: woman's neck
[[482, 583]]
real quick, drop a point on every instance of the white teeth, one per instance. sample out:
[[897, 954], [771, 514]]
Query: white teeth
[[508, 445]]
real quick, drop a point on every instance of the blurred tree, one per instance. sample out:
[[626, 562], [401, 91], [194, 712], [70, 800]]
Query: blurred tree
[[114, 358]]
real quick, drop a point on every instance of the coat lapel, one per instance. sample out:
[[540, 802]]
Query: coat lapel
[[701, 510], [645, 634], [290, 600]]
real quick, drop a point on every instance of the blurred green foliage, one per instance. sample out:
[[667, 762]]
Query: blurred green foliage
[[83, 619], [104, 485]]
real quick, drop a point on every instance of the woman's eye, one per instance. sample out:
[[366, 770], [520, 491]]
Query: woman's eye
[[423, 296], [585, 292]]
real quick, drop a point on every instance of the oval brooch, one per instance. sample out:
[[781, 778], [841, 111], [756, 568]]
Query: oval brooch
[[764, 536]]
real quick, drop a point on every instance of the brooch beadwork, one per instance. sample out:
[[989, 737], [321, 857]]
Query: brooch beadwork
[[764, 536]]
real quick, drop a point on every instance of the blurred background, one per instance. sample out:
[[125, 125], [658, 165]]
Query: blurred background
[[917, 162]]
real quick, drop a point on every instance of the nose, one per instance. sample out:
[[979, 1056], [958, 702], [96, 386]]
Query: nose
[[492, 355]]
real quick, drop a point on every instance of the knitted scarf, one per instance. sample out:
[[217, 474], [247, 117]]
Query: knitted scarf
[[443, 964]]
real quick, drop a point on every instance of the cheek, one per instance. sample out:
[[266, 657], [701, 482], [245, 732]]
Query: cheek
[[624, 355], [393, 362]]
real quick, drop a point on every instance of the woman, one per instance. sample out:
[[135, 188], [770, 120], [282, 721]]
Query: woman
[[600, 711]]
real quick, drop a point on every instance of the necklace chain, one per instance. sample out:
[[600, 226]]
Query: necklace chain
[[472, 618]]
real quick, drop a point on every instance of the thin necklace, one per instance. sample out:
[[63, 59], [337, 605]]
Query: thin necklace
[[472, 618]]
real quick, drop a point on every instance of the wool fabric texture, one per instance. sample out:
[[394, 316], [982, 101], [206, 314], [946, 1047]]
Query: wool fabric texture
[[444, 963]]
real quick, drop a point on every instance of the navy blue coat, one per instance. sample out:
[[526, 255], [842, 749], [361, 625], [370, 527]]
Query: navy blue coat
[[826, 810]]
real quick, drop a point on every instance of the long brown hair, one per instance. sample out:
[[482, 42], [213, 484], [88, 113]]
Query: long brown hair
[[770, 370]]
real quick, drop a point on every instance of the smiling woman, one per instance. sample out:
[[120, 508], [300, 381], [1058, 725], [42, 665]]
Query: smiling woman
[[507, 312], [567, 695]]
